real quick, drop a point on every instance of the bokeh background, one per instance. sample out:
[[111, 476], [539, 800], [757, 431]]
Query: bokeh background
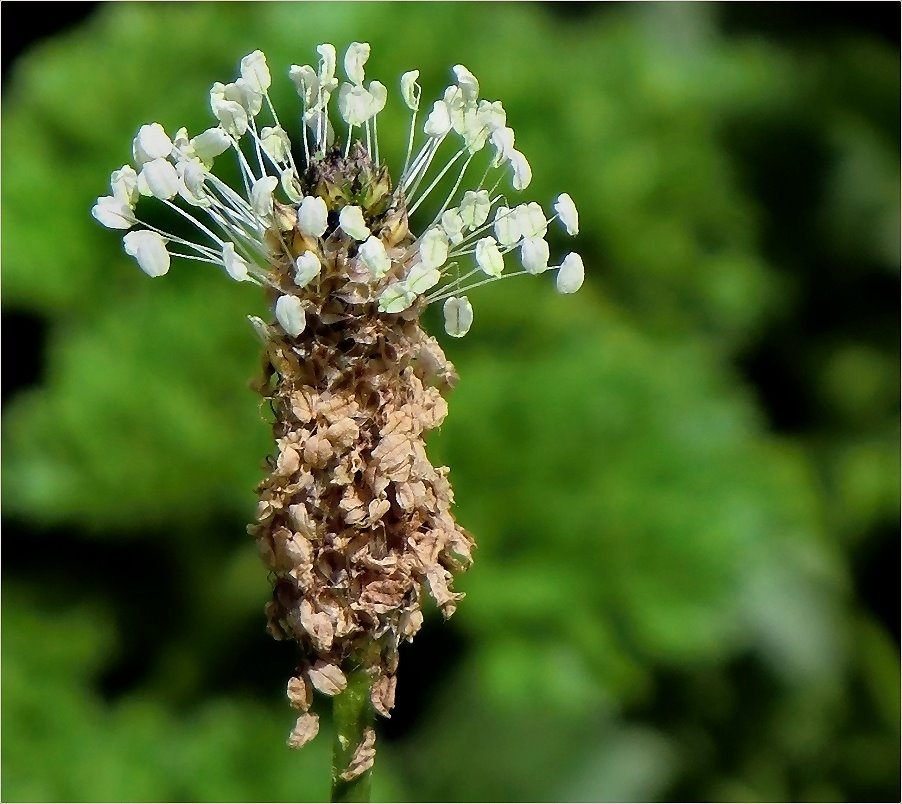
[[684, 480]]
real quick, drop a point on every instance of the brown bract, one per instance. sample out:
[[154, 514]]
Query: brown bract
[[305, 729], [363, 758], [354, 521]]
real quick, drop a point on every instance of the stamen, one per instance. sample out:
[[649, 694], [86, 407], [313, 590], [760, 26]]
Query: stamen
[[453, 192], [436, 180]]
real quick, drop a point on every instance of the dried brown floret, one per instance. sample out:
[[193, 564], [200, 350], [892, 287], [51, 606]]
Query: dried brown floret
[[300, 694], [363, 758], [305, 729], [382, 695], [327, 678], [354, 521]]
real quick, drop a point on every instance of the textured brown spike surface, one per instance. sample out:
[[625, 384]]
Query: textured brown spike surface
[[354, 522]]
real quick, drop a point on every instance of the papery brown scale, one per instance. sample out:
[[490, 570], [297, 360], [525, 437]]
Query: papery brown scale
[[363, 758], [305, 729], [327, 678], [354, 520], [382, 695], [300, 695]]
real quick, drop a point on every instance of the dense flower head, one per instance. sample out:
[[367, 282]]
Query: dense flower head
[[325, 219], [354, 522]]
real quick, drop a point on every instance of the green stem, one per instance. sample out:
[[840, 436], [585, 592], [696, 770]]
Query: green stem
[[352, 714]]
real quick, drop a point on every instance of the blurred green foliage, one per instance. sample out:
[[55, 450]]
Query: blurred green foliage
[[664, 604]]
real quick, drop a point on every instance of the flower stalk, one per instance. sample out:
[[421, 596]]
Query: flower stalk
[[354, 739], [354, 523]]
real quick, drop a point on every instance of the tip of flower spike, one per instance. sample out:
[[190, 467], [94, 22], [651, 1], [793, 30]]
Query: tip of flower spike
[[340, 204]]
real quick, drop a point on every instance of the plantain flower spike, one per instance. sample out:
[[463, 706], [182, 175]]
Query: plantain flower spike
[[354, 522]]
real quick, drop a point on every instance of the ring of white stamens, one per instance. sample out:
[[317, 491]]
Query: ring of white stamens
[[242, 226]]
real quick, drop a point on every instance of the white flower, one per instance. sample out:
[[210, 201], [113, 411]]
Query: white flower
[[182, 143], [192, 176], [439, 121], [274, 140], [373, 255], [503, 142], [570, 275], [160, 178], [396, 298], [292, 187], [422, 278], [488, 257], [379, 94], [566, 211], [151, 143], [507, 226], [467, 82], [149, 249], [306, 81], [522, 171], [324, 207], [313, 216], [211, 143], [474, 132], [355, 104], [242, 92], [534, 255], [290, 315], [235, 264], [255, 72], [306, 268], [434, 248], [474, 209], [355, 57], [113, 213], [261, 196], [531, 220], [231, 115], [452, 225], [410, 89], [458, 316], [327, 66], [351, 221], [493, 116], [124, 184]]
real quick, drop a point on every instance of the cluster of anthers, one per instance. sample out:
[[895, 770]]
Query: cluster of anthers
[[353, 521], [324, 204]]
